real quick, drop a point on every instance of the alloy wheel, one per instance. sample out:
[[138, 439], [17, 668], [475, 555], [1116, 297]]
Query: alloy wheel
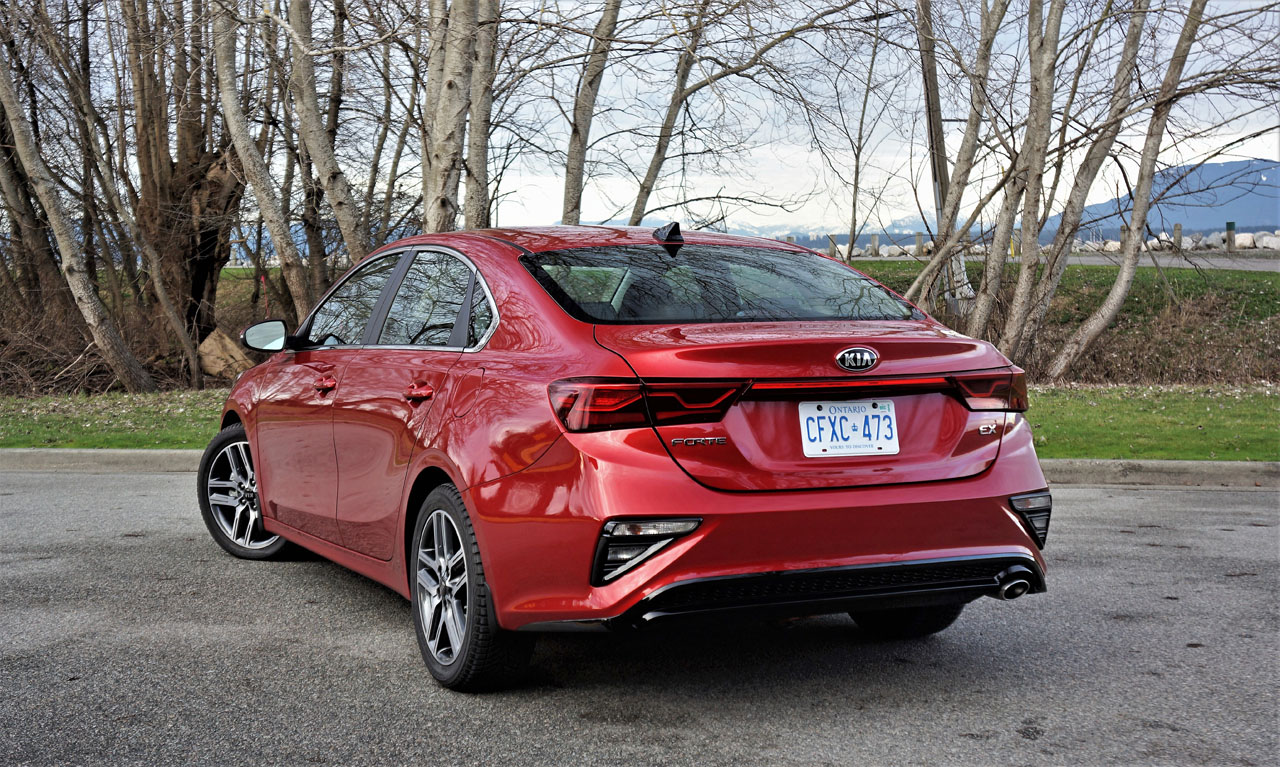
[[442, 587], [232, 488]]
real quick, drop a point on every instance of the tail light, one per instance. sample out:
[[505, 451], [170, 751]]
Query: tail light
[[596, 404], [996, 390]]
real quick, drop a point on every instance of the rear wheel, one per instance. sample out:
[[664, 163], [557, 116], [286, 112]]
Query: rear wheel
[[228, 487], [907, 622], [453, 612]]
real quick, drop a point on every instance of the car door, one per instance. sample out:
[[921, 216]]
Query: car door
[[297, 463], [393, 395]]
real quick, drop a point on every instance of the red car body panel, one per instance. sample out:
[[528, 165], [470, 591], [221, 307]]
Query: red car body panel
[[340, 468]]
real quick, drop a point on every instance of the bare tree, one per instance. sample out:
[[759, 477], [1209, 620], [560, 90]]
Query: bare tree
[[1105, 314], [133, 376], [313, 131], [255, 168], [584, 109]]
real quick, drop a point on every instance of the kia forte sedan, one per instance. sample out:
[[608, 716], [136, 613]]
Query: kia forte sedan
[[530, 430]]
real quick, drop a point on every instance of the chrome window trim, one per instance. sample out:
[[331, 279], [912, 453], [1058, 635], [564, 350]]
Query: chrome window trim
[[351, 273], [480, 281]]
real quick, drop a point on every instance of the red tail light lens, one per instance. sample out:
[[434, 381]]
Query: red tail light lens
[[595, 404], [691, 403], [587, 405], [996, 390]]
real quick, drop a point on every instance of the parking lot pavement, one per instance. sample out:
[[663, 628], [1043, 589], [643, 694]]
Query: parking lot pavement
[[126, 635]]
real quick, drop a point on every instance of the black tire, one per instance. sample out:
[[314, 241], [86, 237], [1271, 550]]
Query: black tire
[[907, 622], [236, 528], [486, 657]]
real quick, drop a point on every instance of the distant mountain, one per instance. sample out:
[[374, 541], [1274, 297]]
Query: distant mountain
[[1201, 198]]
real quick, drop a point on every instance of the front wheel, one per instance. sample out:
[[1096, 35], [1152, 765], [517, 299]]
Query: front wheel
[[453, 612], [907, 622], [228, 488]]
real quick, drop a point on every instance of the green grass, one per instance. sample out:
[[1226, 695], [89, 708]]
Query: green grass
[[1185, 422], [177, 419], [1196, 423]]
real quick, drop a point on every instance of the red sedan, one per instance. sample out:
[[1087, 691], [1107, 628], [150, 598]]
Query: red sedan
[[526, 430]]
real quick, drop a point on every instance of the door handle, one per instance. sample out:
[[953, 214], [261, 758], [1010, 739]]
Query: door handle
[[327, 383], [418, 392]]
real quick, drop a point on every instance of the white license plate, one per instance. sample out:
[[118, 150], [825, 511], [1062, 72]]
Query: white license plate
[[862, 427]]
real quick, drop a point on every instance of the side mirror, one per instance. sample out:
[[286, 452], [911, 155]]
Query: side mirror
[[266, 336]]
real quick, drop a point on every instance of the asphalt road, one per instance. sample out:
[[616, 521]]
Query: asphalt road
[[126, 635]]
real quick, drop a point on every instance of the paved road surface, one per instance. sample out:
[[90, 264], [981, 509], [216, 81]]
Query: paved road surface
[[127, 636]]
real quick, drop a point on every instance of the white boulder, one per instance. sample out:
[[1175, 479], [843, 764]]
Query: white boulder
[[1215, 240], [1111, 246], [892, 250], [1267, 241], [1244, 240]]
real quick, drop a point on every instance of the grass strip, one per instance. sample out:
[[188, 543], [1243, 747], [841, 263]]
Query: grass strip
[[1126, 422]]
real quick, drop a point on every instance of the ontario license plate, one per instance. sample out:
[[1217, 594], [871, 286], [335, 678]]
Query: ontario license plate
[[862, 427]]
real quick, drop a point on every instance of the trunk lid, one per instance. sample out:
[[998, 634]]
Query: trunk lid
[[785, 370]]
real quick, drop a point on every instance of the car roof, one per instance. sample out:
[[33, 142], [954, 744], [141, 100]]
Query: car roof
[[538, 239]]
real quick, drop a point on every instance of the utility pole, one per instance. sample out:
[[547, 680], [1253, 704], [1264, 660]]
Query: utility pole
[[932, 107], [958, 292]]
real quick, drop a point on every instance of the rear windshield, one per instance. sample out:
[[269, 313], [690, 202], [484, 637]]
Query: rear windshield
[[642, 284]]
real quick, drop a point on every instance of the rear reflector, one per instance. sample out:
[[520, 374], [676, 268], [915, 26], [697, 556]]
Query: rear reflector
[[596, 404], [1035, 510], [626, 543]]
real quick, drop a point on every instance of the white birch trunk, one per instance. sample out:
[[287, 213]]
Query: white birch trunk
[[476, 206], [584, 107], [255, 168], [448, 127], [313, 133], [1105, 314]]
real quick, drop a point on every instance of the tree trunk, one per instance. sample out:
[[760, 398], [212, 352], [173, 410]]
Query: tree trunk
[[476, 208], [1087, 172], [1105, 314], [584, 107], [106, 336], [449, 124], [1043, 48], [984, 303], [255, 168], [312, 130]]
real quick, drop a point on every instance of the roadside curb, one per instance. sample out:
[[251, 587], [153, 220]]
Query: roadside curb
[[1059, 471], [1093, 471], [91, 461]]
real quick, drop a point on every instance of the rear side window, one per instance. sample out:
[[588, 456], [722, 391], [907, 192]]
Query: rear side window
[[642, 284], [427, 302], [340, 320]]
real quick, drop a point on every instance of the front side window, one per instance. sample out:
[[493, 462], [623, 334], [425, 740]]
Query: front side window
[[341, 319], [643, 284], [427, 303]]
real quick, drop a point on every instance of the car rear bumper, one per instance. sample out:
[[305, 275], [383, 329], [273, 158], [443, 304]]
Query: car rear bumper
[[795, 552], [819, 591]]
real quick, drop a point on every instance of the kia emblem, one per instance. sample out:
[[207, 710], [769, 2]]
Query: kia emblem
[[857, 359]]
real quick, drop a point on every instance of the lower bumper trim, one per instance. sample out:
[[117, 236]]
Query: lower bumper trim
[[818, 591]]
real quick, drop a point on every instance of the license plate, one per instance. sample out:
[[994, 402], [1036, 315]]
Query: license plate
[[862, 427]]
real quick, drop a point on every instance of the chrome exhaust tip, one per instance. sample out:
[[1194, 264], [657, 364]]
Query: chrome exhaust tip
[[1014, 582], [1014, 588]]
